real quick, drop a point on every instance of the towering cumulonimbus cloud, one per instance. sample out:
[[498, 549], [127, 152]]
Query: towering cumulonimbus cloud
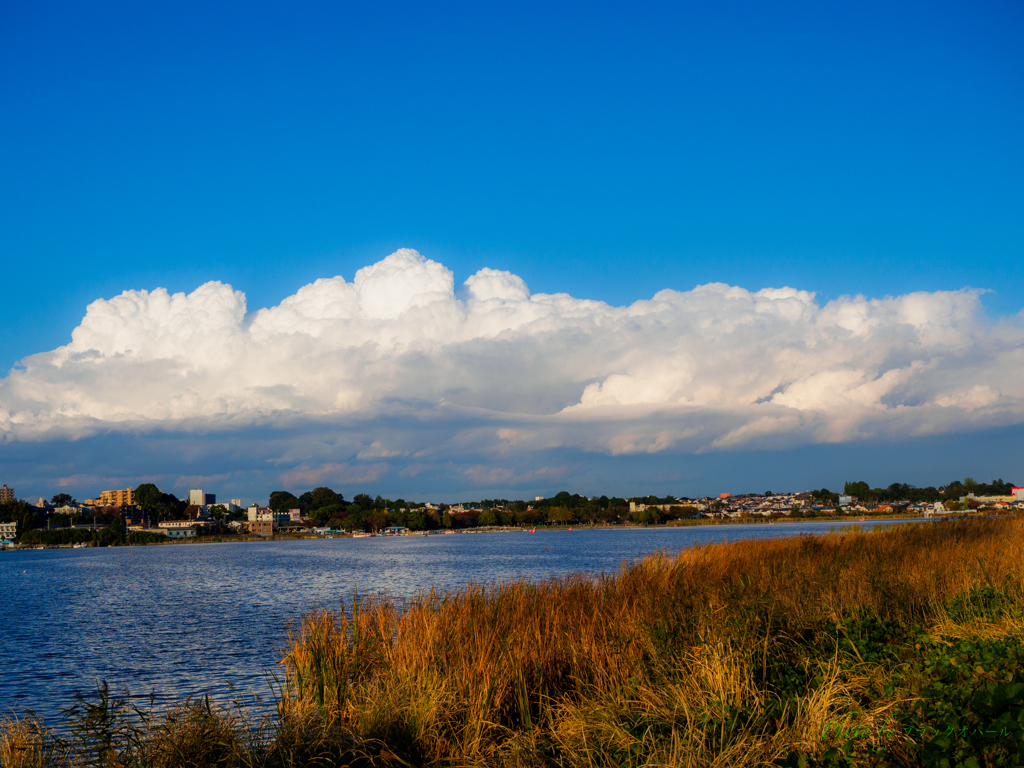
[[492, 365]]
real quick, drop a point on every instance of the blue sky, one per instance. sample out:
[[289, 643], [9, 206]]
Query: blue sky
[[600, 150]]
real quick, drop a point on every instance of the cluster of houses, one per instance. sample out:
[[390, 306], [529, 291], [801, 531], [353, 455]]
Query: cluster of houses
[[122, 502], [195, 519], [261, 521], [727, 505]]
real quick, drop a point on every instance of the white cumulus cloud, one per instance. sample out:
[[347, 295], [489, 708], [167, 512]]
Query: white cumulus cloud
[[491, 368]]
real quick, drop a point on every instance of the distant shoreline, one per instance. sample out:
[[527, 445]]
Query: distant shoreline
[[510, 529]]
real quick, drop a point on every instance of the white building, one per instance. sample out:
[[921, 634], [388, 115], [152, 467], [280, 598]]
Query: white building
[[938, 508], [8, 531], [636, 506], [201, 499], [177, 525], [258, 514]]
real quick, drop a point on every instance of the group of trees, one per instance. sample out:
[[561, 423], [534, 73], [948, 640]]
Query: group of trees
[[100, 537], [220, 513], [158, 505], [325, 507], [826, 497], [32, 523], [111, 536], [968, 485], [45, 526], [904, 492], [365, 513], [22, 513]]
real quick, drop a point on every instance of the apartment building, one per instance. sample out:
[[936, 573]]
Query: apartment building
[[117, 498], [8, 530], [6, 494], [260, 514], [262, 527]]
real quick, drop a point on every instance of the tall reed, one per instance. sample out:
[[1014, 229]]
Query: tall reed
[[670, 661]]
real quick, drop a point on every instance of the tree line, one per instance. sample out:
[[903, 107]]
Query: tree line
[[328, 508], [903, 492], [325, 507]]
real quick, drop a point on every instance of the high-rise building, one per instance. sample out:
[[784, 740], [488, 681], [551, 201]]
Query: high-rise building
[[6, 494], [201, 499], [117, 498]]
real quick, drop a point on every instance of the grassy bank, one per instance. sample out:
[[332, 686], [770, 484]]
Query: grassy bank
[[897, 647]]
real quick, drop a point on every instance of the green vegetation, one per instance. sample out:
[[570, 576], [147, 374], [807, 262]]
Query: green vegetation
[[158, 506], [901, 647], [102, 537], [324, 507], [20, 512], [904, 492], [283, 500]]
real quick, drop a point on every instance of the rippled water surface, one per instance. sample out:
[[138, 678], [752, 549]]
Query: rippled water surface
[[195, 618]]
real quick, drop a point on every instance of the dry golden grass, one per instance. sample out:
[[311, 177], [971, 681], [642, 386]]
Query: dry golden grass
[[24, 743], [663, 663]]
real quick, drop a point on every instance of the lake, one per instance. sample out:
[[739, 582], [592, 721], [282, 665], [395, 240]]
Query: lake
[[194, 618]]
